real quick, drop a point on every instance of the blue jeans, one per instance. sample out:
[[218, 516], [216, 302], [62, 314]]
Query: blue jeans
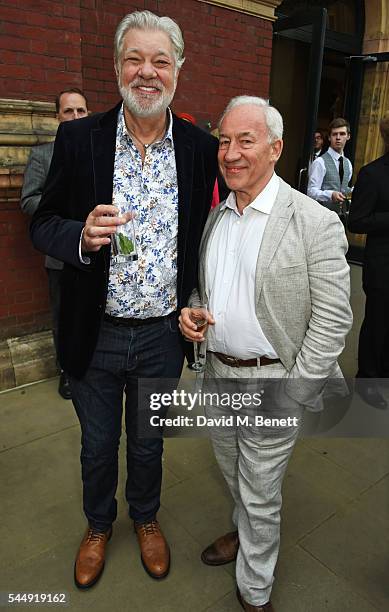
[[123, 354]]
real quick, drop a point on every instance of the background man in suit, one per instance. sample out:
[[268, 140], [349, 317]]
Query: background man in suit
[[118, 322], [330, 173], [369, 214], [69, 104], [280, 310], [319, 144]]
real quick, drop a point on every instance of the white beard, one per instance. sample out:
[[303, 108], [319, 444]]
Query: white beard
[[144, 107]]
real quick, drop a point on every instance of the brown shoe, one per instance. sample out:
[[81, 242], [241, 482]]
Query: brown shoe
[[267, 607], [155, 553], [90, 559], [223, 550]]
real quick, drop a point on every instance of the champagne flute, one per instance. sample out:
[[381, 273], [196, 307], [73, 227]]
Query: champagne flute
[[198, 315]]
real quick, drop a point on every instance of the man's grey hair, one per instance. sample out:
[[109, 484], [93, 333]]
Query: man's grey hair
[[273, 119], [146, 20]]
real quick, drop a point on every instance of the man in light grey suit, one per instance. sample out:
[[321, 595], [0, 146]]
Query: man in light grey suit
[[274, 274], [69, 104]]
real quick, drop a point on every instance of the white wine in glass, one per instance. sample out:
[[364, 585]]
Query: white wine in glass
[[199, 316]]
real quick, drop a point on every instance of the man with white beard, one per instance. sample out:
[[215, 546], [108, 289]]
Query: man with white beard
[[118, 321]]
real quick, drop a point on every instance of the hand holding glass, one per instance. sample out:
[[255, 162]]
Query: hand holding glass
[[123, 241], [198, 315]]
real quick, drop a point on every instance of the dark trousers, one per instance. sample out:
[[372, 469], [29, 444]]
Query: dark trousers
[[373, 348], [54, 277], [123, 354]]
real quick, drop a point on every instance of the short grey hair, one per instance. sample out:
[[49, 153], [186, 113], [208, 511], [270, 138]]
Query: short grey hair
[[146, 20], [273, 118]]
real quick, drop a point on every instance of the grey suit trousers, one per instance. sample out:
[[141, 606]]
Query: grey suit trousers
[[253, 462]]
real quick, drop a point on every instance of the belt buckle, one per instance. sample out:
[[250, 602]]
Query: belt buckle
[[232, 361]]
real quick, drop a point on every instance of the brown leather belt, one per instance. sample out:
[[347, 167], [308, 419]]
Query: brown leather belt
[[234, 362]]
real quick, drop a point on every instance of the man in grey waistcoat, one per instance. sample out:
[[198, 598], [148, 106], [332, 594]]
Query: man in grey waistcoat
[[330, 174], [69, 104], [278, 312]]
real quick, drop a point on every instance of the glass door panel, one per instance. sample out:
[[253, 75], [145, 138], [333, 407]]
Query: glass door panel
[[298, 47]]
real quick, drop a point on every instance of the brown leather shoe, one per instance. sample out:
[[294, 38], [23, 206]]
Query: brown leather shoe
[[90, 559], [155, 553], [223, 550], [267, 607]]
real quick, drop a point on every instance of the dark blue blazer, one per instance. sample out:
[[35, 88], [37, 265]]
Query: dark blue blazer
[[369, 214], [80, 177]]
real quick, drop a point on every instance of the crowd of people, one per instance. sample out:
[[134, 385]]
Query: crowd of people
[[278, 304]]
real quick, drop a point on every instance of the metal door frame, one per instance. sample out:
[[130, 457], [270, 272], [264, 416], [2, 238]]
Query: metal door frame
[[317, 19]]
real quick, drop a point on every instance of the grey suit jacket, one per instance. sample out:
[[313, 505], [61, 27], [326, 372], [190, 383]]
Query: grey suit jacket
[[35, 175], [302, 289]]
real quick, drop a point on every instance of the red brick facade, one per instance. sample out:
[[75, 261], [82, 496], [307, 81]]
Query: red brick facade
[[23, 284], [47, 45]]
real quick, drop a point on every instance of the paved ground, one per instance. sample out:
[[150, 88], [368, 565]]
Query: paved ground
[[335, 534]]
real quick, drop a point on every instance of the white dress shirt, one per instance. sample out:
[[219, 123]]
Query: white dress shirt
[[231, 264], [317, 173]]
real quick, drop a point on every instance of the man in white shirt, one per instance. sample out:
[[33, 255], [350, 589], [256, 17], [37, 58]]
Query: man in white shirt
[[330, 174], [278, 309]]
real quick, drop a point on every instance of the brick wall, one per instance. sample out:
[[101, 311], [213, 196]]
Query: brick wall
[[47, 45], [23, 284], [40, 48]]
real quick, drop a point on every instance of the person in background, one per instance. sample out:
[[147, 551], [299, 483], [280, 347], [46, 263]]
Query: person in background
[[369, 214], [70, 104], [319, 147], [330, 174]]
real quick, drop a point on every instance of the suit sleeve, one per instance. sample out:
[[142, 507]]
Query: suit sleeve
[[34, 180], [52, 232], [331, 315], [363, 217]]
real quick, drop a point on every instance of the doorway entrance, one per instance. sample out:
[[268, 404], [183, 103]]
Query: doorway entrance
[[309, 73]]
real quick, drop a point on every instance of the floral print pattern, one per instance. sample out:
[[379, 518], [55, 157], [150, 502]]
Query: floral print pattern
[[146, 287]]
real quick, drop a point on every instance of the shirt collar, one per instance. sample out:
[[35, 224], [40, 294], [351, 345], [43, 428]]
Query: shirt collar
[[124, 132], [334, 154], [263, 202]]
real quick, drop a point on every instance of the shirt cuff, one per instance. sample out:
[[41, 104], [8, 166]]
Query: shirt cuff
[[323, 196], [83, 259]]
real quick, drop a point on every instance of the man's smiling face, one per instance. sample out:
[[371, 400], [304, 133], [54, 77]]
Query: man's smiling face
[[147, 72], [246, 155]]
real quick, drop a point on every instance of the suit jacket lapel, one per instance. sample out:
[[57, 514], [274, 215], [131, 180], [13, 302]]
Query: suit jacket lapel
[[278, 221], [103, 143], [103, 146], [275, 229], [184, 154], [213, 221]]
